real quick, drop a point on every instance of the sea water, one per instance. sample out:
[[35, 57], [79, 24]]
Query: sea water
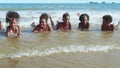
[[56, 49]]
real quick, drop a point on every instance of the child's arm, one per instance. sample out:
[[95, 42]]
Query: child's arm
[[33, 25], [78, 14], [117, 26], [79, 26], [48, 28], [19, 31], [70, 26], [52, 23], [88, 26], [8, 31], [1, 26], [35, 29]]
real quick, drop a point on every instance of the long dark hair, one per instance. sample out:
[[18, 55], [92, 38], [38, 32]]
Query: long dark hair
[[107, 18], [12, 14], [44, 15], [65, 15], [82, 16]]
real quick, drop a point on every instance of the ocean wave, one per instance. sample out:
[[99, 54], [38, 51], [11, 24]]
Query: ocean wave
[[58, 50], [27, 17]]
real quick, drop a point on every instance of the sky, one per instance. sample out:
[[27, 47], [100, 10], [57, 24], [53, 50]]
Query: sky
[[57, 1]]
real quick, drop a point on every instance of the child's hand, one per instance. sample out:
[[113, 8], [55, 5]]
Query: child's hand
[[33, 24], [78, 14], [49, 15]]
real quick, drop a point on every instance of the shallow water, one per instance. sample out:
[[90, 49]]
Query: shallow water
[[74, 49], [55, 49]]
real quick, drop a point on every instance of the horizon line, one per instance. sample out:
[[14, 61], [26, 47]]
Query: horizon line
[[67, 2]]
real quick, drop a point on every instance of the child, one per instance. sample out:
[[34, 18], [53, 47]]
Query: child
[[43, 25], [12, 18], [63, 26], [106, 26], [84, 22]]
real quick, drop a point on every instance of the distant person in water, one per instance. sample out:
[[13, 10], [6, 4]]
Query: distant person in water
[[43, 25], [62, 26], [13, 28], [84, 22]]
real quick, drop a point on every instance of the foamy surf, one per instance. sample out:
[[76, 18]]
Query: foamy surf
[[27, 17], [58, 50]]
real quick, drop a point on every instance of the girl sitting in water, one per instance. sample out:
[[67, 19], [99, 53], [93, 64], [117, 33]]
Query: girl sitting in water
[[84, 22], [12, 18], [43, 25], [63, 26]]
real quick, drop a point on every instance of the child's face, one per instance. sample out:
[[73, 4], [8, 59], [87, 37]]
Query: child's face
[[85, 20], [66, 19], [43, 22], [105, 22], [13, 22]]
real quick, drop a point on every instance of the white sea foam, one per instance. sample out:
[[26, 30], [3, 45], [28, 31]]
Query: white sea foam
[[58, 50], [27, 17]]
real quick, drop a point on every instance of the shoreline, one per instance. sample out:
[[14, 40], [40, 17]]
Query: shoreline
[[76, 60]]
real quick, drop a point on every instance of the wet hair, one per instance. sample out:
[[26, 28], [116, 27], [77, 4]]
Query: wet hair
[[65, 15], [82, 17], [12, 14], [107, 18], [44, 15]]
